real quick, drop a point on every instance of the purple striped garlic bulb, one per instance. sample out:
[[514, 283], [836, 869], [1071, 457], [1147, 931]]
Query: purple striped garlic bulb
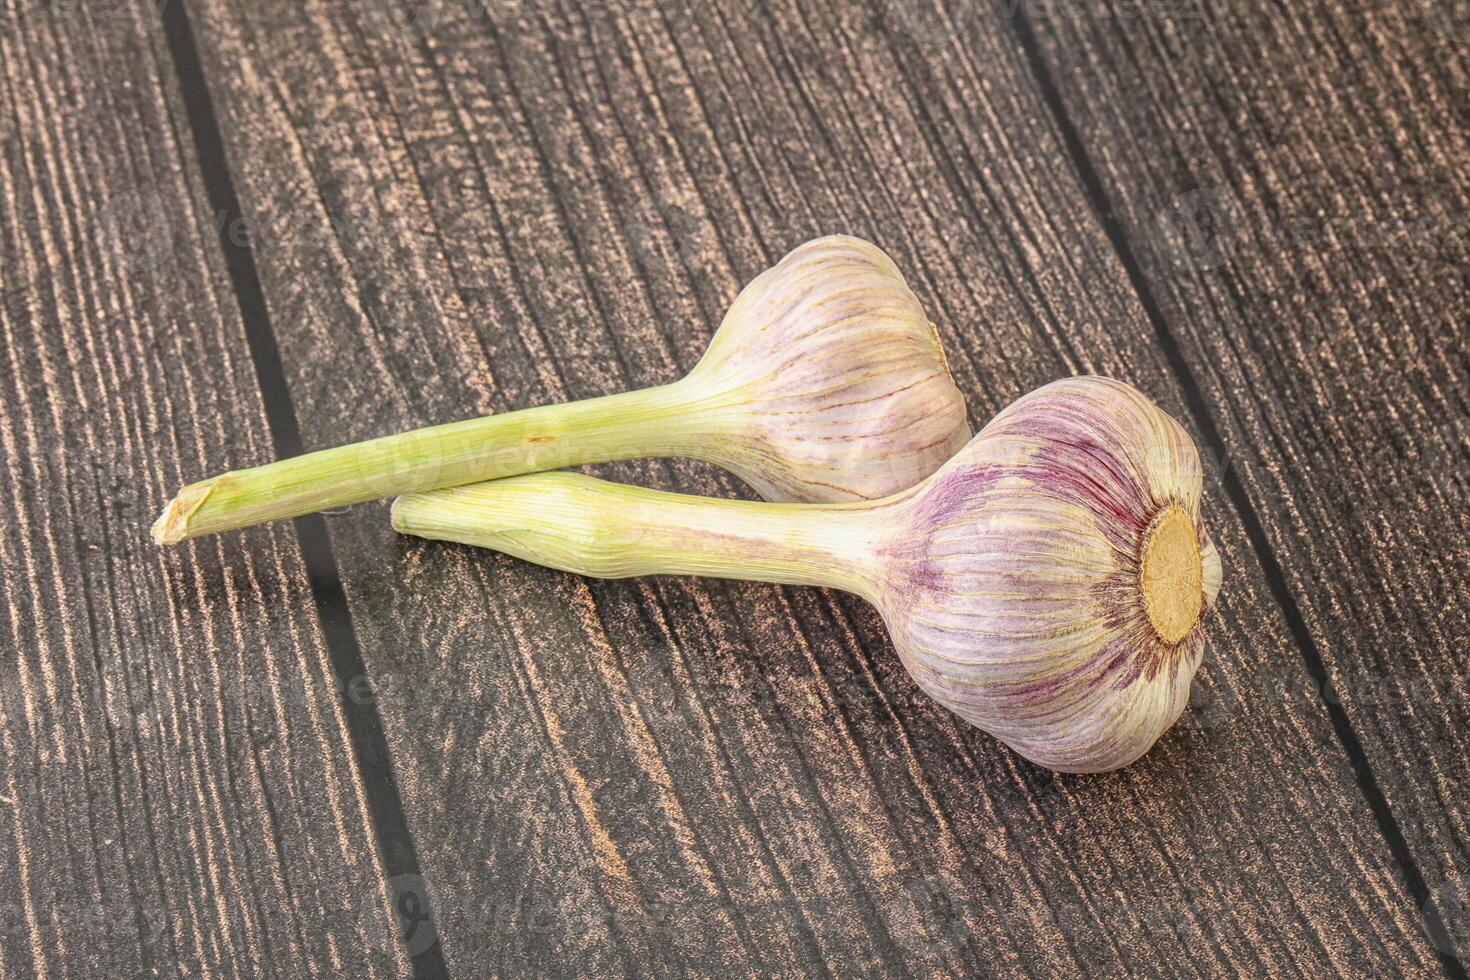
[[1049, 583], [824, 382]]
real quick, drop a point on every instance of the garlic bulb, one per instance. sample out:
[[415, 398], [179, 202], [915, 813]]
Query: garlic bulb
[[824, 382], [1049, 584]]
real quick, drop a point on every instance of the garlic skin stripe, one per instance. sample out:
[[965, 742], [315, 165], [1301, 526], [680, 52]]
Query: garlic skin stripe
[[824, 382], [1049, 583]]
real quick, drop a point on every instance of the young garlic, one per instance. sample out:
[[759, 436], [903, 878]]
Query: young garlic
[[1048, 584], [824, 382]]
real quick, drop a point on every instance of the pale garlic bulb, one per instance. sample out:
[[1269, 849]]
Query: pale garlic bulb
[[824, 382], [832, 381], [1049, 583]]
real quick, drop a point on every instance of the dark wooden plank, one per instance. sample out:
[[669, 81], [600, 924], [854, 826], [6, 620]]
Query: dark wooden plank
[[509, 207], [1317, 157], [176, 789]]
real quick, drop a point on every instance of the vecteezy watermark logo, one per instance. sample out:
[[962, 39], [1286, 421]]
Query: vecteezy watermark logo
[[664, 234], [941, 906], [96, 11], [385, 466], [1199, 229], [1183, 15], [902, 410], [1212, 702], [1449, 18], [688, 14], [1444, 459], [145, 714], [1216, 698], [135, 228], [404, 20], [1446, 915], [407, 921], [931, 21]]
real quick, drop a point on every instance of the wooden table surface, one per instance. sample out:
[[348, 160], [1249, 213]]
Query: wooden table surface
[[232, 230]]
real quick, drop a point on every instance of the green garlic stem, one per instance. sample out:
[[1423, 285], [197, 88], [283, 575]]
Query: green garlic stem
[[610, 530], [658, 421]]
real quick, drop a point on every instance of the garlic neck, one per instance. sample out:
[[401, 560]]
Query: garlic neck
[[608, 530], [660, 421]]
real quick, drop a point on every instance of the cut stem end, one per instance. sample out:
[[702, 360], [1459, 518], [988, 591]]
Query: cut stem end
[[172, 525]]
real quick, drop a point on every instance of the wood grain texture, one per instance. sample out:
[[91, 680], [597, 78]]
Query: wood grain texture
[[494, 207], [1294, 184], [176, 794]]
